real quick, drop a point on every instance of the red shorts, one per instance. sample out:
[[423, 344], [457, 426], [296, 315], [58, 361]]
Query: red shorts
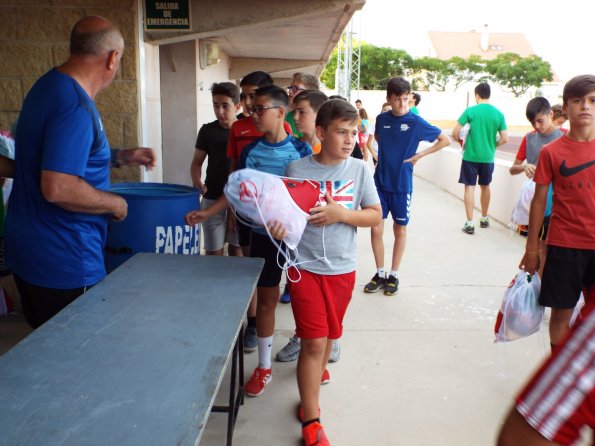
[[363, 138], [560, 399], [319, 303]]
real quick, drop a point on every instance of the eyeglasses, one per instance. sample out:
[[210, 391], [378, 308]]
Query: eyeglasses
[[295, 88], [259, 109]]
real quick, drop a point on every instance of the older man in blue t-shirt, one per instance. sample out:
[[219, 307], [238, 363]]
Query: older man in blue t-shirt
[[60, 204]]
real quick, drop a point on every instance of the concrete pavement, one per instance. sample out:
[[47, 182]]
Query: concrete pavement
[[419, 368]]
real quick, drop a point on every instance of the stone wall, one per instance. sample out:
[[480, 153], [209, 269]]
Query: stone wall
[[34, 38]]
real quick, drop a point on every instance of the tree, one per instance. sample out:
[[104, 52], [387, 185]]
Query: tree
[[377, 65], [433, 72], [518, 74], [465, 70], [327, 77]]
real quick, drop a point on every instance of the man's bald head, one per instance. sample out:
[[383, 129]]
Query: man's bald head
[[94, 35]]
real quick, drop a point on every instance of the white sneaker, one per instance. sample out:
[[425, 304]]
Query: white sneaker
[[335, 351], [291, 351]]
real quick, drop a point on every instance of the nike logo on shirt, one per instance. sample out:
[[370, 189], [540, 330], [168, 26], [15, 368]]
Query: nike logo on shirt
[[243, 132], [569, 171]]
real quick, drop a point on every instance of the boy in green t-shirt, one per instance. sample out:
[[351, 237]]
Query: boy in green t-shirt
[[486, 123]]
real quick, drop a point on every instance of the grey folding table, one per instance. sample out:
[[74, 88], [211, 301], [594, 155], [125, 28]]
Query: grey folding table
[[137, 360]]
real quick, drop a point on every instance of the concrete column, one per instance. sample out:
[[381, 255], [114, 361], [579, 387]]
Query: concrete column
[[178, 64]]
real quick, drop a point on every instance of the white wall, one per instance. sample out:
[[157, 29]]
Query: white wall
[[442, 168], [178, 64], [204, 79], [150, 99], [448, 106]]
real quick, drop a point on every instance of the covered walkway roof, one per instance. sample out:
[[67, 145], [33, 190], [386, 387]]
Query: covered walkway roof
[[279, 37]]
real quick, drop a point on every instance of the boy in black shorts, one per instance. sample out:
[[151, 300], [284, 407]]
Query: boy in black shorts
[[569, 164], [540, 115]]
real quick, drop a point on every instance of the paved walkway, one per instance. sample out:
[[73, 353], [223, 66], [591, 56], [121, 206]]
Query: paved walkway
[[417, 369]]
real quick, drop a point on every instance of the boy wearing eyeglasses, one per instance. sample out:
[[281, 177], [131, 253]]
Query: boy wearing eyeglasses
[[271, 153], [241, 133], [299, 83]]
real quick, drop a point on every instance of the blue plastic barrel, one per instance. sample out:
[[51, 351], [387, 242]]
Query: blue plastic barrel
[[155, 222]]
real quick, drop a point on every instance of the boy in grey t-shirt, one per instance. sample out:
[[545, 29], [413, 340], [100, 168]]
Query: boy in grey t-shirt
[[326, 255]]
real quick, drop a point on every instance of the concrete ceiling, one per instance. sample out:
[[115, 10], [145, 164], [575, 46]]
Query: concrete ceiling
[[277, 36]]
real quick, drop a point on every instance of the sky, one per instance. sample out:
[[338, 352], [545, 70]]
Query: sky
[[561, 33]]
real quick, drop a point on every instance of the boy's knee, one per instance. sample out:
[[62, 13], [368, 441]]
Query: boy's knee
[[399, 230], [267, 298], [378, 229], [313, 347]]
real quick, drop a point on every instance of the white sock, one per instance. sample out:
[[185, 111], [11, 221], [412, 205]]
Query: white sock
[[469, 223], [265, 349], [394, 273], [381, 272]]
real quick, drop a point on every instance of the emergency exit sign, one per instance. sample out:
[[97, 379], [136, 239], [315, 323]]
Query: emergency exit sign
[[167, 16]]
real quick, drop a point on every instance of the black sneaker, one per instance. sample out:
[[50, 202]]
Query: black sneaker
[[468, 229], [392, 286], [484, 222], [375, 284]]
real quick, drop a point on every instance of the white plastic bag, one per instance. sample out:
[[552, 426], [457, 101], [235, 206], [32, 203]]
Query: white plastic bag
[[577, 310], [520, 212], [463, 133], [520, 314]]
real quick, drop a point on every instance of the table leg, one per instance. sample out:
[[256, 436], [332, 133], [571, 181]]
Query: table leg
[[236, 398]]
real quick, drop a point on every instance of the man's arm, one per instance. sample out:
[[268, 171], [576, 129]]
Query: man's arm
[[194, 217], [518, 167], [334, 213], [456, 131], [503, 138], [138, 156], [516, 431], [530, 261], [442, 141], [196, 169], [74, 194]]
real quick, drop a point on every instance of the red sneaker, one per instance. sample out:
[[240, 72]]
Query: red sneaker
[[313, 435], [258, 381], [326, 377]]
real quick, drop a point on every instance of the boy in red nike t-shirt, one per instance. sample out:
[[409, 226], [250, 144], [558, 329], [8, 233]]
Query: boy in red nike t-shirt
[[569, 164]]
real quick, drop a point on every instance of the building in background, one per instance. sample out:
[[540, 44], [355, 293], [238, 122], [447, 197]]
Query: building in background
[[161, 94]]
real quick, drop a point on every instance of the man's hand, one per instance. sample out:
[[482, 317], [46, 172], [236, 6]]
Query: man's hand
[[139, 156], [530, 262], [414, 159], [530, 170], [202, 187], [327, 215], [194, 217], [277, 229], [121, 209]]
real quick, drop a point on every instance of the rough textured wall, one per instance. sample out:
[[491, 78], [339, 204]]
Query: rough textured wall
[[34, 38]]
